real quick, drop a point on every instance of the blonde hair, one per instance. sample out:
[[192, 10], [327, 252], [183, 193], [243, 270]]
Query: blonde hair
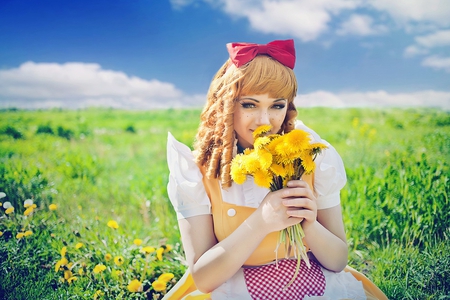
[[215, 137]]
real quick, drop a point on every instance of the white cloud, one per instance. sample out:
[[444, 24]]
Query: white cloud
[[437, 62], [427, 98], [361, 25], [81, 84], [414, 50], [436, 39], [415, 12]]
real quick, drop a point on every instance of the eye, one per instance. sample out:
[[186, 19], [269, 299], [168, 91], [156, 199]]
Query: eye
[[279, 106], [248, 105]]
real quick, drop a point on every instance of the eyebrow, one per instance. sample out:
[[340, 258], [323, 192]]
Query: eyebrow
[[253, 99]]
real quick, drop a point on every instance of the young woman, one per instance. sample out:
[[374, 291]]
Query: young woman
[[229, 231]]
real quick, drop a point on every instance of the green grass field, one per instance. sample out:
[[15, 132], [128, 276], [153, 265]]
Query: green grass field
[[102, 165]]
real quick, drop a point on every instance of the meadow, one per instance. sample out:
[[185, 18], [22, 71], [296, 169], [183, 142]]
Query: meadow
[[85, 212]]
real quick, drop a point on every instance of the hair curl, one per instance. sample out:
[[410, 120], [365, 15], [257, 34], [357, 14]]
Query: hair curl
[[215, 137]]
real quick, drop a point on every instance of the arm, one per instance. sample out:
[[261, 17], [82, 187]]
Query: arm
[[205, 256], [324, 229]]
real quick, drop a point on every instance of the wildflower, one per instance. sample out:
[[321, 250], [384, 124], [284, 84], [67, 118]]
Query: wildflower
[[20, 235], [99, 268], [9, 210], [28, 233], [67, 274], [63, 251], [261, 130], [108, 257], [97, 294], [78, 245], [27, 203], [7, 205], [167, 248], [159, 285], [1, 233], [62, 262], [159, 253], [2, 195], [81, 271], [137, 242], [165, 277], [52, 235], [117, 273], [135, 286], [112, 224], [118, 260], [52, 207], [148, 250], [71, 279], [28, 211]]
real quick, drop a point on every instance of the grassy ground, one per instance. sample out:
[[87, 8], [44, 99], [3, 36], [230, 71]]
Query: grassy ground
[[109, 165]]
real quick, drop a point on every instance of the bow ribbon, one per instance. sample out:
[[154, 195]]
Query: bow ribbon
[[281, 50]]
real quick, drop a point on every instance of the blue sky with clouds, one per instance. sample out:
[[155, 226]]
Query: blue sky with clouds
[[146, 54]]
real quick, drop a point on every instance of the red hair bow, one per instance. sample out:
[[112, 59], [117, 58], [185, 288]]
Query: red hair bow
[[282, 50]]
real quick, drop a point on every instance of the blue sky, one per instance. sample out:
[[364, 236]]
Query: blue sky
[[151, 54]]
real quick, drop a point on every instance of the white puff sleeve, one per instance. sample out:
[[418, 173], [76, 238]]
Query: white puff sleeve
[[185, 188], [329, 176]]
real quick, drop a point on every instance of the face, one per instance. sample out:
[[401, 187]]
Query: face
[[252, 111]]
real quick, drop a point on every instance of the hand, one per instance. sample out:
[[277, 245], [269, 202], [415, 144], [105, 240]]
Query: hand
[[300, 202], [286, 207]]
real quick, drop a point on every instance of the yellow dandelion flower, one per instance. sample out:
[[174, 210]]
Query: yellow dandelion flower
[[28, 233], [33, 205], [99, 268], [135, 286], [9, 210], [28, 211], [52, 207], [63, 251], [117, 273], [165, 277], [263, 178], [79, 245], [159, 285], [308, 164], [20, 235], [67, 274], [112, 224], [62, 262], [355, 122], [265, 159], [52, 235], [148, 250], [159, 254], [108, 257], [137, 242], [1, 204], [81, 271], [98, 293], [278, 170], [71, 279], [1, 233], [261, 130], [261, 142], [118, 260], [167, 248]]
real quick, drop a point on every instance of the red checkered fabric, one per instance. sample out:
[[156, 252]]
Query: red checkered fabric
[[268, 281]]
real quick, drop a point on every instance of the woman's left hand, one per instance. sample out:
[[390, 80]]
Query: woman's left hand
[[301, 202]]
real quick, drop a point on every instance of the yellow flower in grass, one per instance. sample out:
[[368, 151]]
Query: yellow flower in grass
[[135, 286], [99, 268], [53, 207], [79, 245], [108, 257], [62, 262], [112, 224], [165, 277], [159, 254], [71, 279], [147, 250], [67, 274], [28, 211], [20, 235], [63, 251], [1, 233], [118, 260], [28, 233], [98, 294], [137, 242], [159, 285], [27, 203], [81, 271], [167, 248], [9, 210]]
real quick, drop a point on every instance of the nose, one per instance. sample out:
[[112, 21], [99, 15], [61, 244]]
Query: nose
[[263, 118]]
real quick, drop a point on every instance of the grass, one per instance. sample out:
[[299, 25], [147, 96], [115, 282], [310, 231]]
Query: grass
[[99, 165]]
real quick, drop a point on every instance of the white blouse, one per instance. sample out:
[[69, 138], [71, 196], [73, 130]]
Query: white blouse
[[188, 195]]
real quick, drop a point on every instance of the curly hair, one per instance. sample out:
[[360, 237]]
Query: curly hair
[[215, 139]]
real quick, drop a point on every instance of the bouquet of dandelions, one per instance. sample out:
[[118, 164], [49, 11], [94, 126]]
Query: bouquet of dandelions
[[274, 160]]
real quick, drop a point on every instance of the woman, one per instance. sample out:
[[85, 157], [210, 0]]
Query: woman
[[229, 231]]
